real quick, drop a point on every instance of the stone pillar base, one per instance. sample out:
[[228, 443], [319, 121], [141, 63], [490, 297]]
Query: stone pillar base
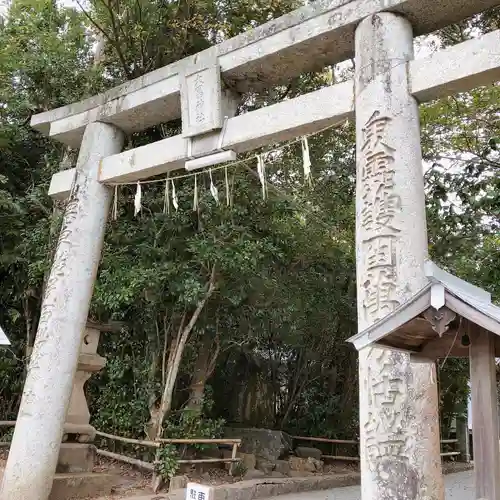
[[81, 433], [76, 457], [82, 485]]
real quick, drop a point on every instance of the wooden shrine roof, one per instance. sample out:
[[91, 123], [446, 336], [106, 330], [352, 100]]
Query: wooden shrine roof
[[434, 323]]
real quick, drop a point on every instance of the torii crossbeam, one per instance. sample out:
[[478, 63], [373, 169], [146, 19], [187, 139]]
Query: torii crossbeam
[[398, 418]]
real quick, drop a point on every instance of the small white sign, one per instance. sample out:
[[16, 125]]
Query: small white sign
[[3, 338], [196, 491]]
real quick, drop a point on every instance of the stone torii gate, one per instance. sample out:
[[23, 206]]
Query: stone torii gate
[[399, 428]]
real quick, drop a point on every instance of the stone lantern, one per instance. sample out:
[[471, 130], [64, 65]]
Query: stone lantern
[[74, 477], [450, 317]]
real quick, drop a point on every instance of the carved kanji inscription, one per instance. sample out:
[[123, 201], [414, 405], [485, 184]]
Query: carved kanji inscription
[[380, 206]]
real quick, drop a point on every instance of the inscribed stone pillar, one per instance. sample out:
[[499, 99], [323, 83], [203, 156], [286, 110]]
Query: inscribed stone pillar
[[37, 437], [400, 452]]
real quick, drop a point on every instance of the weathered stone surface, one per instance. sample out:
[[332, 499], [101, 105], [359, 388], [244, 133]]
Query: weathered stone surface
[[398, 399], [216, 453], [244, 490], [277, 474], [318, 464], [88, 362], [267, 488], [318, 109], [82, 433], [47, 389], [178, 483], [76, 457], [282, 466], [305, 452], [248, 460], [300, 473], [309, 38], [263, 443], [83, 485], [305, 464], [265, 465], [254, 474]]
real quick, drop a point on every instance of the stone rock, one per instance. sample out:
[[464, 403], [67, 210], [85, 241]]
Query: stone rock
[[84, 484], [277, 474], [318, 464], [214, 452], [254, 474], [300, 473], [305, 452], [178, 483], [298, 464], [263, 443], [283, 467], [265, 465], [75, 457], [305, 464], [248, 460]]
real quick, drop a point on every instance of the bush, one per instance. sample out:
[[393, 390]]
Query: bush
[[168, 462]]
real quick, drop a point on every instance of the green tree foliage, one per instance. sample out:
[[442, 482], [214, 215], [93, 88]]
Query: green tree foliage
[[44, 63]]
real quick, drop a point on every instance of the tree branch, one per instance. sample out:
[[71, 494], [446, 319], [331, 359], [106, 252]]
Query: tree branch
[[93, 22], [116, 45], [177, 351], [213, 361]]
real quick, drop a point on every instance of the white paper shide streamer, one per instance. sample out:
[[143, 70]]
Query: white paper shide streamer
[[166, 199], [175, 201], [306, 160], [261, 170], [228, 198], [195, 195], [115, 204], [137, 199], [213, 189]]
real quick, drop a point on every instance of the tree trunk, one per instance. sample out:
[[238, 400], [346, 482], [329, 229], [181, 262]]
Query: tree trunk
[[174, 361], [176, 352], [203, 369]]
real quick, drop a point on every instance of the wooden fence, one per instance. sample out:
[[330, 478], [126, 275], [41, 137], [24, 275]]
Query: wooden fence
[[234, 443], [355, 458], [157, 444], [334, 443]]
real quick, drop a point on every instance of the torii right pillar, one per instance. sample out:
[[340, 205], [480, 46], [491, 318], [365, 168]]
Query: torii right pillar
[[399, 423]]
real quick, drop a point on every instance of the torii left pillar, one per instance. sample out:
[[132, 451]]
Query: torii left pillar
[[37, 437]]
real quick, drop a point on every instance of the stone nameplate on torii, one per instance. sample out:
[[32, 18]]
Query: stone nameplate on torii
[[398, 399], [201, 96], [205, 107]]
